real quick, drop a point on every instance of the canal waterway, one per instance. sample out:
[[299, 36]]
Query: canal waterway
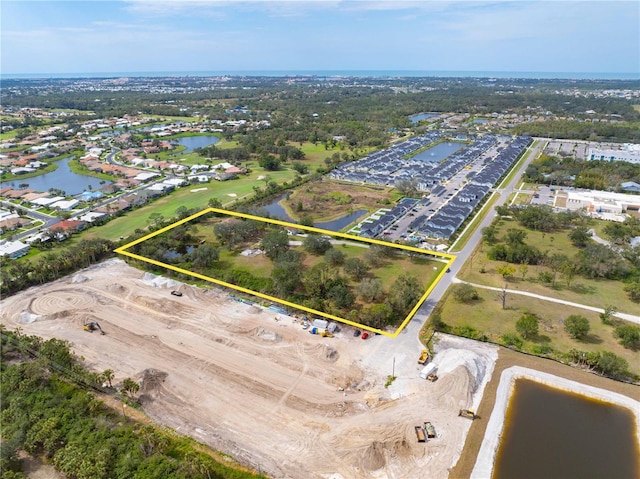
[[438, 152], [193, 142], [342, 222], [550, 433], [63, 179]]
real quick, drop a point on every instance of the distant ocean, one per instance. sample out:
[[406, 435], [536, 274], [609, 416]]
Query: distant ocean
[[339, 73]]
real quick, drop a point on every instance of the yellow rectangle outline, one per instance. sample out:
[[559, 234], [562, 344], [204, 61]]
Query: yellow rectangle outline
[[449, 257]]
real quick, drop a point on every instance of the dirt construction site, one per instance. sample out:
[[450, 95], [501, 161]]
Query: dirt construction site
[[254, 384]]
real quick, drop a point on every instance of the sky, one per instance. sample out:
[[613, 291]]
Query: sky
[[341, 35]]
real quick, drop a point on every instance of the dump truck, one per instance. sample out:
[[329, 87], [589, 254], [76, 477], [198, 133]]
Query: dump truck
[[424, 356], [420, 434], [92, 326], [431, 431]]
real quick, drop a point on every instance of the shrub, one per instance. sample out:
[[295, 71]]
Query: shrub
[[577, 326], [629, 335], [527, 325], [465, 293], [512, 339]]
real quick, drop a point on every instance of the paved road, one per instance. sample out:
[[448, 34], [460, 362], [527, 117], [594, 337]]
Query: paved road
[[402, 352]]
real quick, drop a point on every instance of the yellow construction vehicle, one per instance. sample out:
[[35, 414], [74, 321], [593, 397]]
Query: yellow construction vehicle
[[92, 326], [424, 356], [326, 334], [468, 413]]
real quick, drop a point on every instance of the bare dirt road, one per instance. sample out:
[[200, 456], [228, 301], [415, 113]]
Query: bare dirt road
[[277, 398]]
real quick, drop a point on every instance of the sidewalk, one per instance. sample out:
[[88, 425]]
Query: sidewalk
[[627, 317]]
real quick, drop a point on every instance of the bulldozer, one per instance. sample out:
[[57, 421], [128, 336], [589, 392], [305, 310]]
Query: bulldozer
[[468, 413], [326, 334], [92, 326]]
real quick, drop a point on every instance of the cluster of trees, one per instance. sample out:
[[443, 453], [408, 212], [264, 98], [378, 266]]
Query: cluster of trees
[[603, 362], [49, 409], [21, 273], [580, 130], [596, 174], [336, 283], [540, 217], [340, 284], [593, 260]]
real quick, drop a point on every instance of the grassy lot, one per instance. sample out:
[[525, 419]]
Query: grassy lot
[[326, 199], [261, 267], [598, 293], [487, 317]]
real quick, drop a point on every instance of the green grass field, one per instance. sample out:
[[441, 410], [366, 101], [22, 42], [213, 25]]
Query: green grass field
[[591, 292], [487, 317]]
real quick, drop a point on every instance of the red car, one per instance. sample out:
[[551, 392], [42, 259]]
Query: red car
[[365, 335]]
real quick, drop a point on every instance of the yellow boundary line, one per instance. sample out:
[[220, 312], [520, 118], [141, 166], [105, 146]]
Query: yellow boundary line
[[123, 251]]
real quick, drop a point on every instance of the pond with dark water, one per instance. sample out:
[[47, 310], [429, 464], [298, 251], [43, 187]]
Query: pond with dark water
[[550, 433], [438, 152], [193, 142], [63, 179], [277, 211]]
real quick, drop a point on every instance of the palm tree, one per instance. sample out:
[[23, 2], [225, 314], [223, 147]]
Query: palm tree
[[130, 387], [108, 376]]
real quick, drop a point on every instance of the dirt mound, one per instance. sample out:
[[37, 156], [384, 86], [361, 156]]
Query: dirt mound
[[454, 390], [117, 288], [374, 457], [79, 278], [323, 352], [255, 309], [151, 380], [267, 335]]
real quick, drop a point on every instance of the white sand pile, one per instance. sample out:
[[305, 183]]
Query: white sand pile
[[159, 281], [26, 317], [477, 358], [79, 278], [449, 359]]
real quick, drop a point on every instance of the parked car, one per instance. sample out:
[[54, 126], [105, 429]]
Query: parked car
[[356, 333], [365, 335], [176, 293]]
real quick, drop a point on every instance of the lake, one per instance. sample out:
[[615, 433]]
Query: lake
[[63, 179], [550, 433], [193, 142], [421, 116], [439, 152]]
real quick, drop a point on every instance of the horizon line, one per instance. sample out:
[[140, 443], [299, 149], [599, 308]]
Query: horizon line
[[335, 73]]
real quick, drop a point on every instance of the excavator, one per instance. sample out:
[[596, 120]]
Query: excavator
[[92, 326]]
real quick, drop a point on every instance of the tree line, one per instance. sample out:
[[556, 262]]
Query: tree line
[[50, 409]]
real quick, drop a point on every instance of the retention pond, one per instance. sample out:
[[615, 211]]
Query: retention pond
[[551, 432]]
